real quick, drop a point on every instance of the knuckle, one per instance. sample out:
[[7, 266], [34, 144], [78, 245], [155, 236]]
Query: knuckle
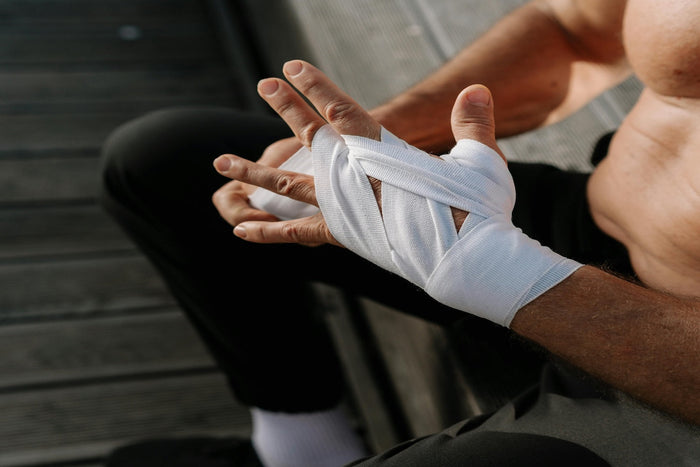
[[310, 84], [322, 231], [258, 233], [306, 133], [239, 171], [480, 120], [216, 198], [285, 107], [290, 232], [295, 186], [285, 185], [237, 214], [308, 193], [228, 204], [221, 198], [339, 111]]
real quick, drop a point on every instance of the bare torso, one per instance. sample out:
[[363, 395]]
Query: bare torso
[[646, 193]]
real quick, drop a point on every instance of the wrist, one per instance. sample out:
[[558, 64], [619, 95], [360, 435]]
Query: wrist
[[495, 270]]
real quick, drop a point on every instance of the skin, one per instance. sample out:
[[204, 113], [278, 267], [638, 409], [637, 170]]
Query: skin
[[543, 62]]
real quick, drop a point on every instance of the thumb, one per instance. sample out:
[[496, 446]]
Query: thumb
[[472, 117]]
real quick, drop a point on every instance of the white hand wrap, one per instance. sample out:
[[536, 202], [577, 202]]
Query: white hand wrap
[[280, 206], [489, 268]]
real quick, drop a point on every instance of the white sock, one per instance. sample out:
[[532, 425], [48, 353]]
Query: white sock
[[310, 439]]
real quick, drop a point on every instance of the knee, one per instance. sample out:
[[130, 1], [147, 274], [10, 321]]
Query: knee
[[167, 155], [126, 152], [133, 151], [163, 152]]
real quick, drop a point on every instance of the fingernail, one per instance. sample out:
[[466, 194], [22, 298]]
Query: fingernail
[[479, 96], [268, 87], [239, 231], [293, 68], [222, 163]]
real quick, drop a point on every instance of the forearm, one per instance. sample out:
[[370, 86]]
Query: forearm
[[527, 60], [638, 340]]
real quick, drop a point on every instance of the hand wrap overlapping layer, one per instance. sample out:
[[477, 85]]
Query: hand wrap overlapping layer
[[488, 268]]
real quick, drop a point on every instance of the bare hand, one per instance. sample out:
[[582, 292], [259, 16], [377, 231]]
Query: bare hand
[[231, 200]]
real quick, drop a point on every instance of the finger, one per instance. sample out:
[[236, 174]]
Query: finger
[[472, 117], [309, 231], [231, 201], [289, 184], [345, 115], [297, 114]]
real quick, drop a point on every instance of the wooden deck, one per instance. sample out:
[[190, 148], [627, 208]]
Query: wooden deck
[[93, 350]]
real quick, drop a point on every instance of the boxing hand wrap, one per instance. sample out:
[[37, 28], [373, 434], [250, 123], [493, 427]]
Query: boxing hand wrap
[[280, 206], [488, 268]]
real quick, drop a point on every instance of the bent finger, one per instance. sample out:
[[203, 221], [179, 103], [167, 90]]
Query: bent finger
[[232, 204], [340, 110], [289, 184], [310, 231]]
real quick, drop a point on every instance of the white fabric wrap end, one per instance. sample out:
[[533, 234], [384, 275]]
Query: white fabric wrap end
[[280, 206], [489, 268]]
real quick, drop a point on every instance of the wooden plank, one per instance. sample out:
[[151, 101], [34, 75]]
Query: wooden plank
[[104, 51], [133, 106], [51, 132], [566, 144], [569, 143], [616, 103], [51, 289], [430, 388], [237, 51], [78, 306], [33, 10], [51, 353], [61, 179], [496, 365], [372, 49], [35, 231], [30, 35], [127, 29], [355, 355], [278, 36], [86, 422], [452, 24], [108, 86]]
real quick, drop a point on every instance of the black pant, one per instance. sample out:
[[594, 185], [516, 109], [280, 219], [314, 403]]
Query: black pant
[[251, 303]]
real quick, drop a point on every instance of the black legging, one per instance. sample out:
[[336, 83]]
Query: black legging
[[251, 303]]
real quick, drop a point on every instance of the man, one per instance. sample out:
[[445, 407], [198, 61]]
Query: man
[[540, 63]]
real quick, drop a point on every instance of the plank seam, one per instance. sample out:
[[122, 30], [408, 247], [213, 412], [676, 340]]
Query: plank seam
[[97, 380], [235, 44], [425, 18], [22, 318], [117, 253]]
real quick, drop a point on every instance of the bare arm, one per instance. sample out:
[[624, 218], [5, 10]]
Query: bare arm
[[641, 341], [541, 62]]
